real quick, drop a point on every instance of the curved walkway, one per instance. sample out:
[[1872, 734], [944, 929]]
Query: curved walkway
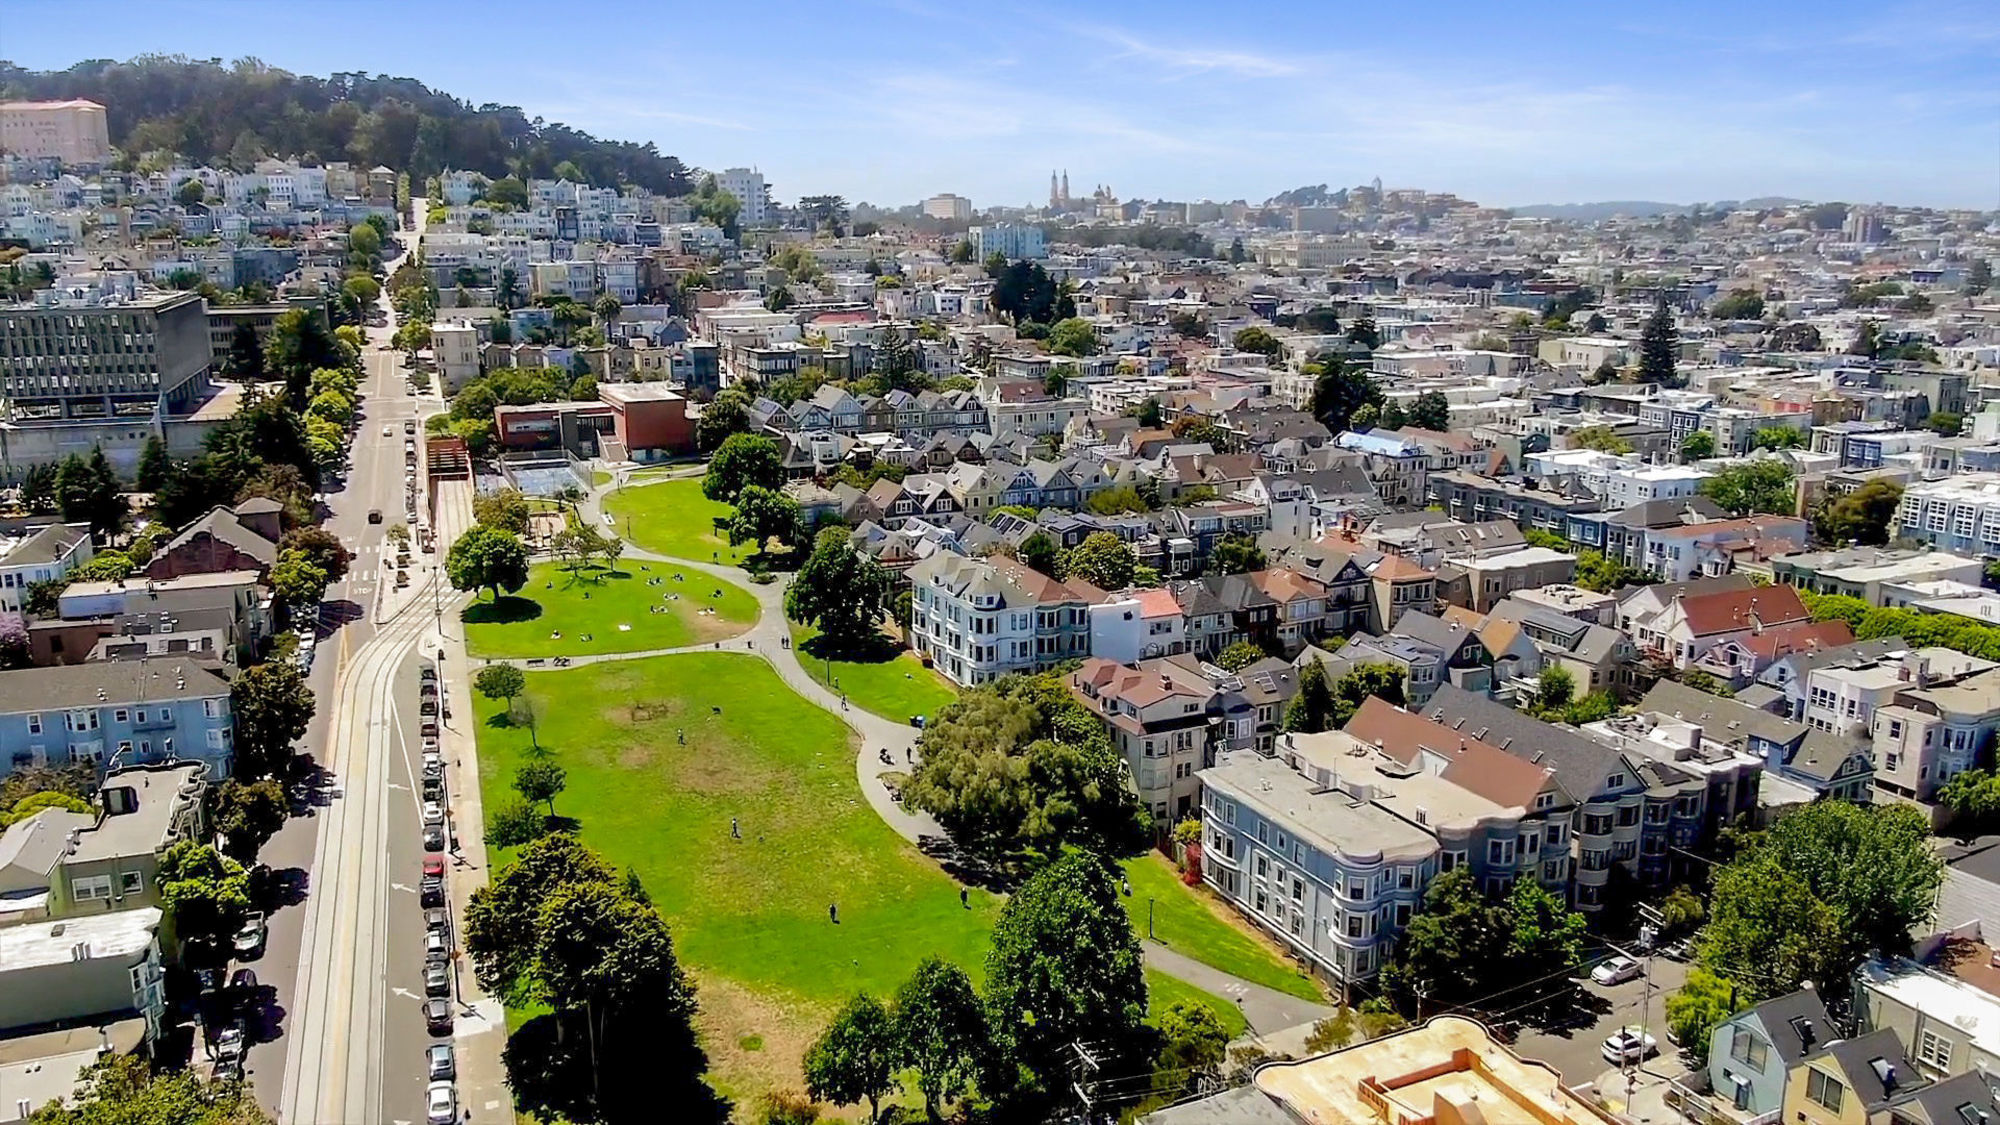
[[1266, 1009]]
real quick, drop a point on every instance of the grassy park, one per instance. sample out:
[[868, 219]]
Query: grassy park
[[673, 518], [616, 610], [1190, 921], [749, 914], [895, 686]]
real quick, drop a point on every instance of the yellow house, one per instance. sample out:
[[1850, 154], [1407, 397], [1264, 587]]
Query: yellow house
[[1847, 1081]]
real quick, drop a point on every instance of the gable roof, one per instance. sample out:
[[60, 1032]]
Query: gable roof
[[222, 524], [1731, 610], [1479, 767], [1580, 763], [1797, 1024], [1873, 1064]]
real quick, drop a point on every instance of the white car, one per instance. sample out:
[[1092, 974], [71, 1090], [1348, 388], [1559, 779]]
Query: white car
[[441, 1104], [1629, 1045], [433, 813], [1618, 970]]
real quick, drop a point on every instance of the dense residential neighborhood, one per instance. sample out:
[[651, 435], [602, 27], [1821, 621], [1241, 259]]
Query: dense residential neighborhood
[[498, 624]]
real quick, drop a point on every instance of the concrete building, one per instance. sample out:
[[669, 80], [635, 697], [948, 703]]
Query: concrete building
[[1751, 1054], [948, 207], [1960, 514], [1013, 240], [1168, 717], [1872, 573], [73, 131], [750, 190], [1933, 729], [649, 420], [455, 349], [1449, 1071]]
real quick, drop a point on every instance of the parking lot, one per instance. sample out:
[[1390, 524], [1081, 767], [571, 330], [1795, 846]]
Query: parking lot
[[1576, 1051]]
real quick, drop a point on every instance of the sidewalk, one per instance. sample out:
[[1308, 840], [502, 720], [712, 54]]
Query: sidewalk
[[1266, 1009], [479, 1033]]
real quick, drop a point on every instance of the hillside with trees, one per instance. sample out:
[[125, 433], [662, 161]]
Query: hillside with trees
[[158, 106]]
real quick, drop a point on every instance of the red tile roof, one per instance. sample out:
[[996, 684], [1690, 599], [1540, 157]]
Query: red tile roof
[[1730, 610]]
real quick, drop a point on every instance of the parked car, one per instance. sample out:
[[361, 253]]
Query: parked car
[[437, 921], [433, 813], [433, 839], [437, 979], [430, 892], [440, 1063], [230, 1043], [437, 945], [249, 940], [437, 1016], [409, 425], [440, 1104], [243, 980], [388, 431], [1618, 970], [1629, 1045]]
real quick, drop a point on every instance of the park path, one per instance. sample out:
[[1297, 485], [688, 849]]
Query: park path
[[1266, 1009]]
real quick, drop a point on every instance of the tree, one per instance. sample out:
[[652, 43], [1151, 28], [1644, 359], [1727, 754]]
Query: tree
[[1868, 342], [1238, 656], [1543, 934], [1659, 344], [841, 591], [1149, 414], [1601, 438], [1778, 437], [1450, 950], [940, 1031], [1017, 769], [87, 492], [154, 465], [1237, 255], [1339, 392], [854, 1059], [1074, 336], [205, 893], [487, 558], [1354, 688], [1555, 688], [516, 824], [1738, 304], [503, 510], [1364, 332], [299, 344], [320, 547], [1193, 1047], [1702, 1003], [1236, 554], [1697, 446], [500, 681], [270, 706], [541, 782], [728, 413], [1978, 277], [962, 252], [296, 581], [1945, 423], [1311, 710], [1759, 486], [1431, 411], [125, 1090], [1104, 561], [504, 917], [1767, 927], [741, 461], [1259, 341], [1064, 967], [1040, 553], [247, 814], [763, 514], [1366, 417], [1866, 515]]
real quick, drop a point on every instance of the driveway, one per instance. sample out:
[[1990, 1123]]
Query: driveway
[[1574, 1051]]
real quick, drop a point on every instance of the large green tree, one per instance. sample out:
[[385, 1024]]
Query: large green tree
[[854, 1059], [270, 707], [1311, 710], [940, 1031], [1866, 515], [743, 460], [206, 895], [1104, 561], [1431, 411], [1659, 344], [1757, 486], [1065, 967], [763, 515], [486, 558], [840, 591], [1341, 390], [247, 814], [126, 1090]]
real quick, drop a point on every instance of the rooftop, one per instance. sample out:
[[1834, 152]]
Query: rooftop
[[159, 796], [1331, 820], [121, 933]]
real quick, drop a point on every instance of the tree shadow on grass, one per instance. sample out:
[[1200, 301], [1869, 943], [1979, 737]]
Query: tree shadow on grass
[[639, 1070], [508, 610], [877, 648]]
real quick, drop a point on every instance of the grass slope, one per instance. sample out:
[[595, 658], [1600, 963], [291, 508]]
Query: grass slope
[[749, 915], [894, 687], [593, 601], [673, 518], [1187, 920]]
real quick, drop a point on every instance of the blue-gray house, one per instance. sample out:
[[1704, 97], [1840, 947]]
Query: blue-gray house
[[135, 711], [1750, 1053]]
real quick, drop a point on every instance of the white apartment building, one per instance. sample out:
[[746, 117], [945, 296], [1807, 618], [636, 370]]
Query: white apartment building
[[74, 131], [1960, 514], [747, 185], [455, 348], [976, 620], [949, 207], [48, 553], [1842, 698]]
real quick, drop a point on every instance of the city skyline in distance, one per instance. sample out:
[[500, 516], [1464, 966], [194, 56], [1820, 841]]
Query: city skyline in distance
[[895, 101]]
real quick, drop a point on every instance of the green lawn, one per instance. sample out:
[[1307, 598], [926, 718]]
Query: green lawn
[[1189, 922], [749, 915], [594, 602], [895, 687], [673, 518], [1163, 990]]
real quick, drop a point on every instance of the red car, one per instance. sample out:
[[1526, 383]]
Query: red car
[[434, 865]]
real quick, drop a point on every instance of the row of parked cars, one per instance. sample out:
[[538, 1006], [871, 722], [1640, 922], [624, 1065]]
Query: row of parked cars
[[440, 1062]]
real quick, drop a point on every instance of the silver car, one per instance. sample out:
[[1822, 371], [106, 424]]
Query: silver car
[[441, 1064]]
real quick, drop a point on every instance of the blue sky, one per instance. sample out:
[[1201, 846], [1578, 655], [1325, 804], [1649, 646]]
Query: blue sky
[[891, 100]]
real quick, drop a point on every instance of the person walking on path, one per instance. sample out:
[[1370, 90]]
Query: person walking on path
[[734, 831], [833, 913]]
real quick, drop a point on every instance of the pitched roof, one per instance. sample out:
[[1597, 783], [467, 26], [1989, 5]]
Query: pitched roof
[[1804, 636], [222, 524], [1730, 610], [1874, 1065], [1797, 1024], [1581, 764], [1477, 766], [47, 544], [121, 681]]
